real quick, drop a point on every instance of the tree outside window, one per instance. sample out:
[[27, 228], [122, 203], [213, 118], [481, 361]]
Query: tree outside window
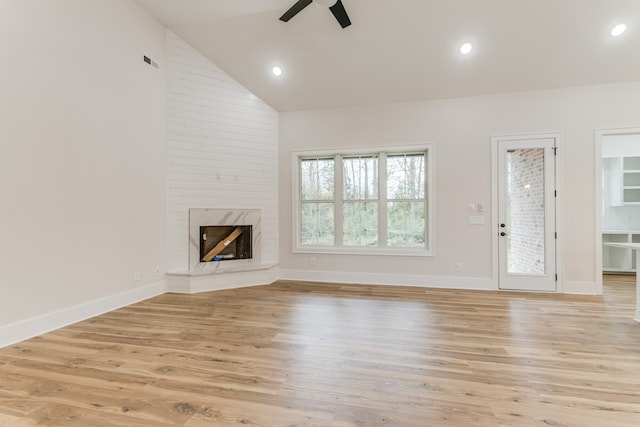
[[368, 201]]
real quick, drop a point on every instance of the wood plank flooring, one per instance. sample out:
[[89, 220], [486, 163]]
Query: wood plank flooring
[[305, 354]]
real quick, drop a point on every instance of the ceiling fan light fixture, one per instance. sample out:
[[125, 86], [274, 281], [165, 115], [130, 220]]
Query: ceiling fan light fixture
[[466, 48], [618, 30], [325, 3]]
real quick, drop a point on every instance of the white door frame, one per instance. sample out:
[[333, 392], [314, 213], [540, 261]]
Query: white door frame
[[558, 207], [599, 136]]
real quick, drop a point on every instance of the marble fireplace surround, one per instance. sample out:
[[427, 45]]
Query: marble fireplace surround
[[205, 217]]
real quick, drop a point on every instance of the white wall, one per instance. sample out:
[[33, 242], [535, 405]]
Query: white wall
[[82, 159], [461, 130], [222, 150]]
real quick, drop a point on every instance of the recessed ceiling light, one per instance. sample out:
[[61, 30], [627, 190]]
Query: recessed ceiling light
[[277, 71], [618, 30], [466, 48]]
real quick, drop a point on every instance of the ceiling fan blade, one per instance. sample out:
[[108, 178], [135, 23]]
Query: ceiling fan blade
[[295, 9], [340, 14]]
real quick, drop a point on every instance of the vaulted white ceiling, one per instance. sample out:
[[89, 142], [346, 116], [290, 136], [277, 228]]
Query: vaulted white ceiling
[[407, 50]]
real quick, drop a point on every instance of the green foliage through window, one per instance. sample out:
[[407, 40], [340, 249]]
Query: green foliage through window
[[369, 194]]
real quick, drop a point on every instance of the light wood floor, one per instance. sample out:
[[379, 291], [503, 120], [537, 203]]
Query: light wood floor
[[302, 354]]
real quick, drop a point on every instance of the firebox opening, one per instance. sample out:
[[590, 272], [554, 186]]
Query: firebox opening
[[225, 242]]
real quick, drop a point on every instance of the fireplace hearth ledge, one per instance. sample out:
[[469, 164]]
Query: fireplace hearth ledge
[[192, 282], [222, 270]]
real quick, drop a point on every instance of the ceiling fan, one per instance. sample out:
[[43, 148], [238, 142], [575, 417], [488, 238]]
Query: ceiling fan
[[336, 8]]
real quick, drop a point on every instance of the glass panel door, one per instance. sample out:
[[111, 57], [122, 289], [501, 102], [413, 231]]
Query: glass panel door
[[526, 200]]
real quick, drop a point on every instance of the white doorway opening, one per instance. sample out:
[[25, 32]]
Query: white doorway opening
[[617, 199]]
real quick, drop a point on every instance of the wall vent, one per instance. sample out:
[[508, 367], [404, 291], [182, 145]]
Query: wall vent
[[151, 62]]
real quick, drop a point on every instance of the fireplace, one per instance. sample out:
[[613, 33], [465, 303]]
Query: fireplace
[[237, 234], [225, 242]]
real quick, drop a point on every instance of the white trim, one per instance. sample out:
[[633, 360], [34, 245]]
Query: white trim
[[29, 328], [599, 135], [416, 280], [559, 211], [429, 249], [597, 262]]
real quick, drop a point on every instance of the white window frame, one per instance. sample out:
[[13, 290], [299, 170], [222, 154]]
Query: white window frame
[[426, 250]]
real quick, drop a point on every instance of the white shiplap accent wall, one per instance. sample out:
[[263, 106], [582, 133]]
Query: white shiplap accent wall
[[222, 150]]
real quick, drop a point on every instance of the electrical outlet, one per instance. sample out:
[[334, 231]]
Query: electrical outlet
[[458, 266], [136, 275]]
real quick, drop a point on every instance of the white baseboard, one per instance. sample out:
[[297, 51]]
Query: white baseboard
[[20, 331], [443, 282]]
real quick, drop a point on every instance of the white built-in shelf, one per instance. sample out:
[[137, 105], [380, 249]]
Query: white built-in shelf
[[619, 259], [621, 176], [631, 180]]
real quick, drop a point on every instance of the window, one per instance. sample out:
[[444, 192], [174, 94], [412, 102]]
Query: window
[[373, 202], [317, 201]]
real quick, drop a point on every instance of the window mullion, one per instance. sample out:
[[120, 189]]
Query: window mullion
[[382, 200], [338, 198]]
